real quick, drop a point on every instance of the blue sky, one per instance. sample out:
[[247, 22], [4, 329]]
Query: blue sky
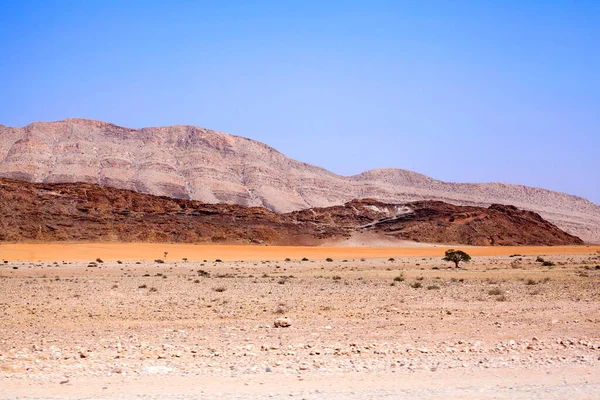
[[465, 91]]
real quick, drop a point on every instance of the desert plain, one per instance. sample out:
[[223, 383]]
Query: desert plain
[[195, 321]]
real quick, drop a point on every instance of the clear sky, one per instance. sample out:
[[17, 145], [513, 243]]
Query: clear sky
[[465, 91]]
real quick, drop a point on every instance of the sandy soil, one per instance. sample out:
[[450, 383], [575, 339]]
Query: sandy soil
[[502, 327], [152, 251]]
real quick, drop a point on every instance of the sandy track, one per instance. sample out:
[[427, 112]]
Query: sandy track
[[152, 251], [572, 383]]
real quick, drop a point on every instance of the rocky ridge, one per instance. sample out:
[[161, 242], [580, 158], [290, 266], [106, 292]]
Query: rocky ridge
[[88, 212]]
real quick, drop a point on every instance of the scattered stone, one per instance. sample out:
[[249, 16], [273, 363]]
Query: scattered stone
[[282, 322], [155, 370]]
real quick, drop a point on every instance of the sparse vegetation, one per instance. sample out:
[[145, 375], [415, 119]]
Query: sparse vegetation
[[548, 264], [456, 256], [320, 298], [159, 261]]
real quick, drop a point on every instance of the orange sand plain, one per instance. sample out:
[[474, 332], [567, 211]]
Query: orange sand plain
[[151, 251]]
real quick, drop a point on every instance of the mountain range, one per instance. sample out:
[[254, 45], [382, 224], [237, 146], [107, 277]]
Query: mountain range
[[193, 163]]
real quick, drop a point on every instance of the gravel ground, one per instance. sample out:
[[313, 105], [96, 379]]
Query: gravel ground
[[503, 327]]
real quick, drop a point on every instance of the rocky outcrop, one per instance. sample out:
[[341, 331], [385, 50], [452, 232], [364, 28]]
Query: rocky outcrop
[[188, 162], [89, 212]]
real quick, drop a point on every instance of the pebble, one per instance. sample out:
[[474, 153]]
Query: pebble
[[282, 322], [155, 369]]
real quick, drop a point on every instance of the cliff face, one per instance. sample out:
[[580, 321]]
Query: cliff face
[[187, 162], [88, 212]]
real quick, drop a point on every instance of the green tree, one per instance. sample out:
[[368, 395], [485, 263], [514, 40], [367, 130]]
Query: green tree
[[456, 256]]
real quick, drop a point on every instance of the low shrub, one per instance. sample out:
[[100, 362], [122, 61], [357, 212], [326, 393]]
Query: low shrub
[[548, 264]]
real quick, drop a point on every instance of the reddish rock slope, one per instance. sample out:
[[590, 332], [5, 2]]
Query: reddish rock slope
[[87, 212]]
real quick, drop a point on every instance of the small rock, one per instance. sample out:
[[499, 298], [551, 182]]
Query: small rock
[[282, 322], [64, 381], [155, 369]]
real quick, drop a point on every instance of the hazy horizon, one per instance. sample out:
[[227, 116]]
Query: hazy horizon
[[461, 92]]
